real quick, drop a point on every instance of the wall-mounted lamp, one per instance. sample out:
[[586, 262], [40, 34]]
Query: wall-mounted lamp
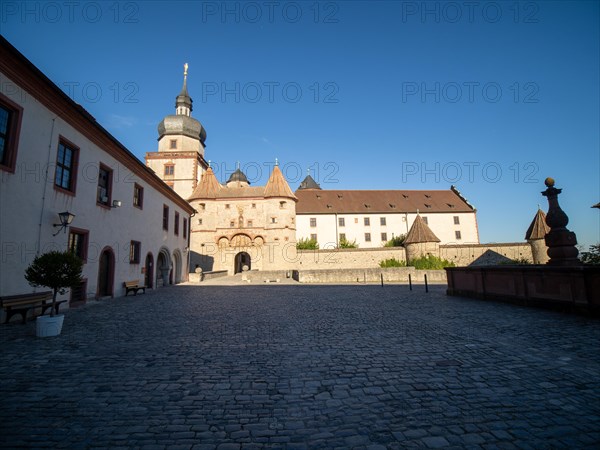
[[116, 204], [65, 220]]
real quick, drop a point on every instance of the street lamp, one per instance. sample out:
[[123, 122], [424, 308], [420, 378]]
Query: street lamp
[[65, 219]]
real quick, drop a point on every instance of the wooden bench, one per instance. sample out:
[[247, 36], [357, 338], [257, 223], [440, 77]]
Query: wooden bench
[[21, 304], [133, 285]]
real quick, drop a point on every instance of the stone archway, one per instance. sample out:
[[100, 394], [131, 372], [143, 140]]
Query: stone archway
[[163, 268], [242, 259]]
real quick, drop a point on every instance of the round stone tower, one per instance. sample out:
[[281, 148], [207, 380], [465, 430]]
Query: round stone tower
[[535, 236], [421, 241]]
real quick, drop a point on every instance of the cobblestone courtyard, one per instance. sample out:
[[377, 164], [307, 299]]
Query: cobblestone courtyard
[[303, 367]]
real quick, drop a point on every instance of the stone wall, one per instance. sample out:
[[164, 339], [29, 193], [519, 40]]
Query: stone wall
[[461, 255], [390, 275], [485, 254], [285, 257], [574, 288], [346, 258]]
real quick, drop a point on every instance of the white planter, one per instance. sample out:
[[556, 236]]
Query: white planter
[[46, 326]]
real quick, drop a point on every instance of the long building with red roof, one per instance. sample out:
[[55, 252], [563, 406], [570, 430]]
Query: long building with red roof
[[372, 217]]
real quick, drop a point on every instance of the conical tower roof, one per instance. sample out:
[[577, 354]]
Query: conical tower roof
[[309, 183], [208, 188], [420, 232], [277, 186], [538, 228]]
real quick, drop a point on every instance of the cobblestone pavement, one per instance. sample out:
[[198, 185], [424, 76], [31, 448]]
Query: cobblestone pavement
[[302, 367]]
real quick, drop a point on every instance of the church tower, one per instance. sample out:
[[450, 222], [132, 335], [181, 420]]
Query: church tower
[[179, 160]]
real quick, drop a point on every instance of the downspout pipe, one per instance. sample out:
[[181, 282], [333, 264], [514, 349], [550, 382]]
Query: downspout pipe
[[42, 209]]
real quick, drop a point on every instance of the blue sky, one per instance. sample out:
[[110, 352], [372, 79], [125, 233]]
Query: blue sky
[[492, 97]]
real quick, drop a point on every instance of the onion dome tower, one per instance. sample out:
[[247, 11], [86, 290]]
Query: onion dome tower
[[179, 160]]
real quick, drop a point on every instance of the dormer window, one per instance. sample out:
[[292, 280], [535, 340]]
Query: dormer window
[[404, 195], [427, 205], [340, 196], [427, 196], [393, 205], [367, 205]]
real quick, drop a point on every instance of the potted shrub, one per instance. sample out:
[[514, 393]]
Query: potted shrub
[[57, 271]]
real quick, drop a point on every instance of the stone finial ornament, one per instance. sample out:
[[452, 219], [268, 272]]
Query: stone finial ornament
[[561, 242]]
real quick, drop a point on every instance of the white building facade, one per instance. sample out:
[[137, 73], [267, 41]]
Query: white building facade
[[371, 218], [54, 157]]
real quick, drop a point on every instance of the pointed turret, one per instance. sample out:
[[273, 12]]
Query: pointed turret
[[420, 232], [309, 183], [538, 228], [420, 240], [535, 235], [208, 188], [277, 186]]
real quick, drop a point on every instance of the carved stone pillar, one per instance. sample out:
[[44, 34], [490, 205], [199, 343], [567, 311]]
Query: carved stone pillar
[[561, 242]]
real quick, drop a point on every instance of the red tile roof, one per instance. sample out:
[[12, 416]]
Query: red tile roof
[[420, 232], [210, 188], [277, 186], [378, 202]]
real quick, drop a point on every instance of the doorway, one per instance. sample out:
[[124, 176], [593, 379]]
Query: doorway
[[242, 259], [106, 273], [164, 268], [149, 271]]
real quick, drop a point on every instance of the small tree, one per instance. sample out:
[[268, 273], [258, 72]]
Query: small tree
[[593, 256], [56, 270], [307, 244], [396, 241], [516, 261], [392, 262], [345, 243], [430, 262]]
